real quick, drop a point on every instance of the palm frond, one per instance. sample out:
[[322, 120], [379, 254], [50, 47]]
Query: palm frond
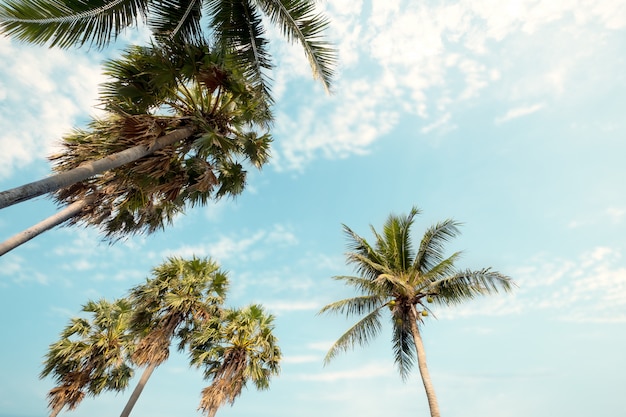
[[403, 346], [431, 250], [467, 284], [299, 21], [354, 306], [360, 333], [238, 29], [176, 18], [65, 23]]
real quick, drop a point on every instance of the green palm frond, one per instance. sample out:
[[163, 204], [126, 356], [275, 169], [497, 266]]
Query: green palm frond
[[360, 333], [238, 28], [403, 346], [298, 21], [176, 18], [65, 23], [431, 250], [395, 242], [467, 284], [354, 306]]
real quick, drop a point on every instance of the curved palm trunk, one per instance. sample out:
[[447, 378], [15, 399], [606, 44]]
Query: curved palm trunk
[[138, 389], [89, 169], [421, 363], [44, 225]]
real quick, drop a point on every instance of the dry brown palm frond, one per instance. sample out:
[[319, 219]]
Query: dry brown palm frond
[[154, 348], [228, 381]]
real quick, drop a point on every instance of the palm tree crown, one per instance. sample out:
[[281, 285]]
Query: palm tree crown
[[155, 91], [393, 275], [238, 348], [92, 356]]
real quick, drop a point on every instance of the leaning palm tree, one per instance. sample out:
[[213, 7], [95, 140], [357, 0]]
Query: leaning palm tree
[[204, 118], [180, 294], [234, 350], [92, 356], [158, 97], [391, 274], [236, 25]]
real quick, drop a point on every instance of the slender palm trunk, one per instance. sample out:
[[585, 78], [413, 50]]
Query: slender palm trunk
[[44, 225], [55, 412], [138, 389], [421, 363], [89, 169]]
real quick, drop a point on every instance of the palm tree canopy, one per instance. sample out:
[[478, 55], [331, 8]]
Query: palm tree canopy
[[238, 348], [154, 91], [180, 294], [236, 25], [393, 273], [92, 355]]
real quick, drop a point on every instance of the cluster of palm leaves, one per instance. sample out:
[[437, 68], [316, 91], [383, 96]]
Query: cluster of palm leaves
[[156, 92], [182, 301]]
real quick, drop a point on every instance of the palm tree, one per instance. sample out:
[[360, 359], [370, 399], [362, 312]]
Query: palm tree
[[161, 96], [91, 356], [189, 122], [236, 25], [391, 274], [180, 294], [235, 350]]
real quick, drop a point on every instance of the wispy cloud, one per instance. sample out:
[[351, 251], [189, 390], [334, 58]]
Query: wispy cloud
[[519, 112], [591, 288], [372, 370], [244, 247]]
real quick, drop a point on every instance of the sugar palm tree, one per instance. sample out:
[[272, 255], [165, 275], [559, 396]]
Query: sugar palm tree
[[179, 295], [92, 355], [236, 25], [161, 96], [392, 275], [207, 119], [238, 349]]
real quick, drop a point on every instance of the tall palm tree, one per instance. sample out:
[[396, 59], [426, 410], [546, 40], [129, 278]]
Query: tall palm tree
[[391, 274], [180, 294], [92, 355], [176, 98], [234, 24], [206, 118], [235, 350]]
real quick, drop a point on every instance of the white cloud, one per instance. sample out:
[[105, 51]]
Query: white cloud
[[372, 370], [432, 60], [519, 112], [253, 246], [591, 288], [61, 87]]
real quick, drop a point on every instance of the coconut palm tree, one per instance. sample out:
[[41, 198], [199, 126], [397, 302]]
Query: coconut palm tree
[[392, 275], [179, 295], [92, 355], [235, 350], [236, 25]]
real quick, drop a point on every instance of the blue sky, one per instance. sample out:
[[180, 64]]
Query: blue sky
[[505, 115]]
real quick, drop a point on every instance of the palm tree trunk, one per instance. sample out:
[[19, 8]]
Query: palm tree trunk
[[44, 225], [89, 169], [55, 412], [138, 389], [421, 363]]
